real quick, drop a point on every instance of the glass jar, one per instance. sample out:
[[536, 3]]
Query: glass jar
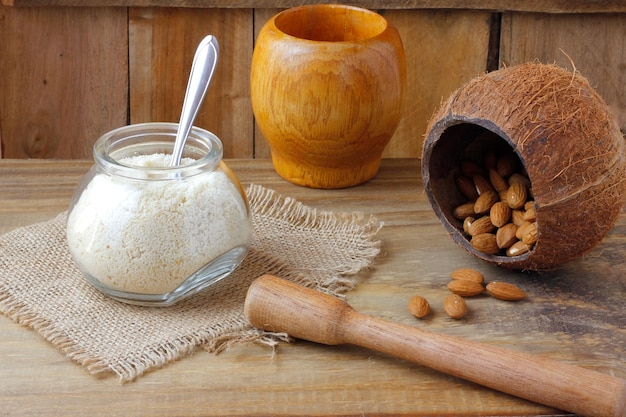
[[149, 234]]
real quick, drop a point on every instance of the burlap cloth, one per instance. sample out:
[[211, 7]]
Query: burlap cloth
[[41, 288]]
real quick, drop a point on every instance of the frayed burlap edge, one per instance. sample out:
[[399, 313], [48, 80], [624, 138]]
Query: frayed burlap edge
[[341, 280], [271, 204], [237, 330]]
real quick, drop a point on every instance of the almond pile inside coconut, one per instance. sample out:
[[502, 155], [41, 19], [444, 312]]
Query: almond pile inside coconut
[[499, 215]]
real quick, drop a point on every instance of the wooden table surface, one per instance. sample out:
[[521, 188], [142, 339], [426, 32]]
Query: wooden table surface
[[575, 315]]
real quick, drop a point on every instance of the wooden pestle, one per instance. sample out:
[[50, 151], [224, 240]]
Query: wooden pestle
[[277, 305]]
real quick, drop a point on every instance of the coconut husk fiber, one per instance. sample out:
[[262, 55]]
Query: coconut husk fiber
[[566, 138]]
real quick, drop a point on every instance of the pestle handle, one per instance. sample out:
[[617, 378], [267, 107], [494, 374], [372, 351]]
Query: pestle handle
[[277, 305]]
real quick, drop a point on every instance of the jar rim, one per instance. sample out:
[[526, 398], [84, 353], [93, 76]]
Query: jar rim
[[203, 147]]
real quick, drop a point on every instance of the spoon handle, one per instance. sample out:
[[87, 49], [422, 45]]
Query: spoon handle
[[204, 62]]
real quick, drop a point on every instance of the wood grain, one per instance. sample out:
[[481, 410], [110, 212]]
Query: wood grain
[[443, 51], [162, 44], [261, 147], [591, 44], [61, 89], [91, 54], [327, 89], [573, 315], [547, 6], [278, 305]]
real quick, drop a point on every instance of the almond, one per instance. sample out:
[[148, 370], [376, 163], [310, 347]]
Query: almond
[[484, 201], [516, 195], [498, 182], [524, 229], [517, 217], [506, 164], [529, 236], [505, 291], [465, 288], [470, 168], [502, 194], [518, 248], [467, 274], [482, 184], [505, 236], [455, 306], [467, 223], [480, 226], [485, 243], [519, 179], [500, 213], [467, 187], [490, 160], [463, 211], [419, 307], [530, 204], [529, 214]]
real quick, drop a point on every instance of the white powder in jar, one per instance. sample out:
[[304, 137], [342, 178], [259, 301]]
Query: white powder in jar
[[149, 236]]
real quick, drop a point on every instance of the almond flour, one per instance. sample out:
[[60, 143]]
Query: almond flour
[[148, 237]]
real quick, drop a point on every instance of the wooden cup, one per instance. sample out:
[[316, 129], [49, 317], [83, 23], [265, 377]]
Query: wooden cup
[[327, 90]]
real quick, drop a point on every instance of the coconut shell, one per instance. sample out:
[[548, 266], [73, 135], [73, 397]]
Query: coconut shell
[[567, 140]]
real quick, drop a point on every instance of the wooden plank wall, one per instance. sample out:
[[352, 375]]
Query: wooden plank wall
[[595, 44], [69, 74], [162, 45], [63, 79]]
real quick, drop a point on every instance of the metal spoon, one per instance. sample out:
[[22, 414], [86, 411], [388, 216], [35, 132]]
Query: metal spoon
[[204, 63]]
